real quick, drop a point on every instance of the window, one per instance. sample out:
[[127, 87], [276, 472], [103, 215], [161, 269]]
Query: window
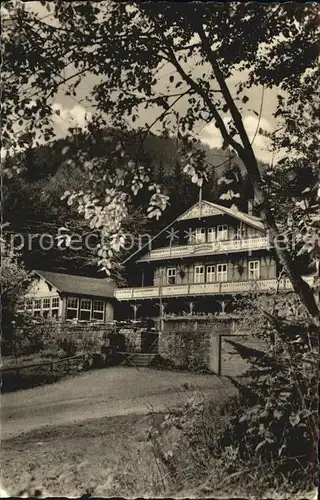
[[85, 309], [46, 308], [200, 235], [37, 304], [199, 274], [222, 272], [98, 310], [55, 307], [72, 307], [171, 275], [29, 304], [222, 233], [254, 270], [55, 313], [211, 234], [210, 274], [46, 304], [37, 307], [55, 302]]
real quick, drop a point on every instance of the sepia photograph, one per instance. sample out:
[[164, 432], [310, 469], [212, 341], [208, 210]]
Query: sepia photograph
[[160, 249]]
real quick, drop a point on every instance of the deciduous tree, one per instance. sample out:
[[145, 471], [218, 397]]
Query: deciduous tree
[[131, 48]]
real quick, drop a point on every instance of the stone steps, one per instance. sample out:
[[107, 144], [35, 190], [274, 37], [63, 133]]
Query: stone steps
[[138, 358]]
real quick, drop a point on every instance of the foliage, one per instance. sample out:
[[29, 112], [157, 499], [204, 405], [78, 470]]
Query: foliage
[[293, 183], [277, 421], [215, 39], [32, 200], [202, 45], [265, 438], [14, 280], [25, 335], [40, 223], [68, 345]]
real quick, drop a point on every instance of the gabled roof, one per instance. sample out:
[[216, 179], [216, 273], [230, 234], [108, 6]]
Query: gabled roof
[[82, 285], [206, 209]]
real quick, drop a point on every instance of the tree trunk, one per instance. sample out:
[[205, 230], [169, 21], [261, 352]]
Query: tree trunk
[[246, 153]]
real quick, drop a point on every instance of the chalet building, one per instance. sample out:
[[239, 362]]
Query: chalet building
[[198, 265], [67, 297], [183, 283]]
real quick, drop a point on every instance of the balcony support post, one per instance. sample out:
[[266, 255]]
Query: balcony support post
[[162, 308], [191, 306], [135, 308], [223, 304]]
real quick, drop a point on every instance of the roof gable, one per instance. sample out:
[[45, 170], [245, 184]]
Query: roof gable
[[82, 285], [205, 209], [198, 210], [208, 209]]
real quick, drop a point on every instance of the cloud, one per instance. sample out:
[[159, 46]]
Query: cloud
[[210, 135], [64, 118]]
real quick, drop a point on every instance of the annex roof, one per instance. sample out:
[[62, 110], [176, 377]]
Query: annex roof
[[82, 285]]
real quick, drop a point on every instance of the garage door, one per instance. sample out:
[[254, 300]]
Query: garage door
[[232, 350]]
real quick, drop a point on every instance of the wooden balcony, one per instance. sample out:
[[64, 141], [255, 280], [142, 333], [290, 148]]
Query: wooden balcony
[[216, 247], [194, 289]]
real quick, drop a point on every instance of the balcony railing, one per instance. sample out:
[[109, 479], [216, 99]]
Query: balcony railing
[[207, 248], [192, 289]]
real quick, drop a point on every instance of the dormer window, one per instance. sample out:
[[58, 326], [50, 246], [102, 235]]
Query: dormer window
[[198, 235], [211, 274], [222, 233], [211, 234], [171, 275]]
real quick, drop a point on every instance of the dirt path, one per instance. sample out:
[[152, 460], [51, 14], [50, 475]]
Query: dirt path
[[102, 393]]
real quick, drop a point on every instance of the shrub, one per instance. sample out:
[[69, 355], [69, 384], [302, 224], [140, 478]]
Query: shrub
[[185, 440], [275, 424], [160, 362], [68, 345], [27, 335], [14, 280], [264, 440]]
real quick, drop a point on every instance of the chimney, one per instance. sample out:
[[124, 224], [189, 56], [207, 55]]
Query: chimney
[[250, 207]]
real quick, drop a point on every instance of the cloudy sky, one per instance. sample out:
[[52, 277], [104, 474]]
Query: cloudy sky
[[76, 111]]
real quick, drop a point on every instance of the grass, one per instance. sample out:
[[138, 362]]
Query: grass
[[175, 453], [100, 457], [154, 455]]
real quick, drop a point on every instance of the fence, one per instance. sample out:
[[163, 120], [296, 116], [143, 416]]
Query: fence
[[51, 363]]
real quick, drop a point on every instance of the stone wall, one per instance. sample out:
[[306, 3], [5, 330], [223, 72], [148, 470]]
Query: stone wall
[[86, 337], [214, 345], [187, 349], [193, 345], [94, 337]]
